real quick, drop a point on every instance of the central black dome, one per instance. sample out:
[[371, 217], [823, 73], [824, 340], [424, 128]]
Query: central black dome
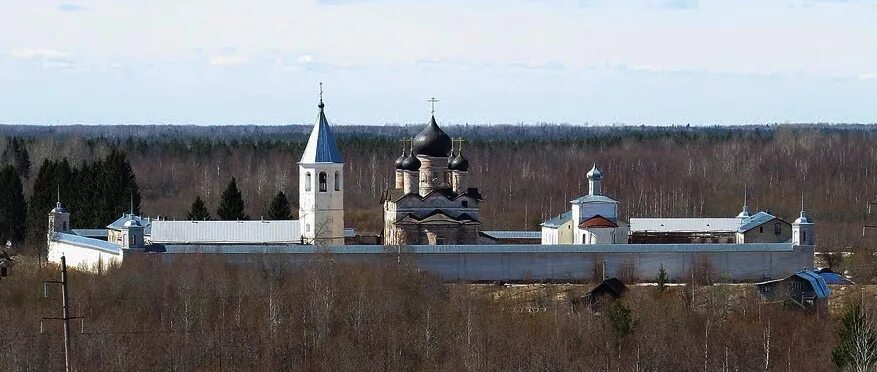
[[432, 141]]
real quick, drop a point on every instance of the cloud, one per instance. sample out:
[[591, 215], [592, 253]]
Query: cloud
[[229, 61], [868, 76], [50, 58], [31, 54], [70, 7]]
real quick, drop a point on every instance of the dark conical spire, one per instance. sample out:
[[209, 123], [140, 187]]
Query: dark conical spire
[[321, 147]]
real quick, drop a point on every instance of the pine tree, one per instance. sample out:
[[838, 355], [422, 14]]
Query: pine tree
[[858, 342], [231, 203], [198, 211], [280, 208], [13, 208]]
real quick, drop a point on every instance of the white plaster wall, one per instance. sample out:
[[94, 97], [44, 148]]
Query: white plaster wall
[[85, 259]]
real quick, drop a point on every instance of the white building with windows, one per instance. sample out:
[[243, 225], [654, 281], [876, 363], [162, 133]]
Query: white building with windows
[[592, 219]]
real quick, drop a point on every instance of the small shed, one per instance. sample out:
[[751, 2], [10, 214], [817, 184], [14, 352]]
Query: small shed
[[805, 289], [5, 263], [609, 290]]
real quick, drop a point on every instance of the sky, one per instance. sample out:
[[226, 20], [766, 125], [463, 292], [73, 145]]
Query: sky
[[582, 62]]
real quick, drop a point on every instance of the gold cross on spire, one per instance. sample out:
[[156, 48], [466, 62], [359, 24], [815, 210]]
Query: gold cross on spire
[[321, 91], [432, 102]]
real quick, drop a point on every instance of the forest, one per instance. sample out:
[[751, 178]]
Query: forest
[[203, 314], [525, 173]]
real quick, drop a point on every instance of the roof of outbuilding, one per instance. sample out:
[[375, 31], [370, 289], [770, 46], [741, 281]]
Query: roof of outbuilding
[[85, 242], [756, 220], [321, 147], [593, 199], [557, 221], [226, 232], [513, 234], [817, 282], [715, 225]]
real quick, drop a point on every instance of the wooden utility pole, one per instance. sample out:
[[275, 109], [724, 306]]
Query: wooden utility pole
[[65, 303]]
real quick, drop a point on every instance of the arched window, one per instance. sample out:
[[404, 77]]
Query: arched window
[[322, 181], [337, 181], [308, 181]]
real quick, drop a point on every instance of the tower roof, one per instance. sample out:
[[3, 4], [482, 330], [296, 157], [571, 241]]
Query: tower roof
[[594, 173], [321, 147], [432, 141], [804, 218], [459, 163], [745, 212]]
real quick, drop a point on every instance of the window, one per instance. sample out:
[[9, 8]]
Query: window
[[337, 181], [307, 227], [803, 236], [777, 228], [308, 181], [761, 229], [131, 240], [322, 181], [465, 204], [64, 226]]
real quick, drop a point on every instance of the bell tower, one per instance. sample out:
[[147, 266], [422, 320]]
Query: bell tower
[[321, 186]]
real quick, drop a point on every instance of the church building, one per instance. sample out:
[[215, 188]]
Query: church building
[[592, 218], [431, 201]]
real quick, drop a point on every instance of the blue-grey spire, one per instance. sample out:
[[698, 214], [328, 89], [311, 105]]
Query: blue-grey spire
[[744, 214], [321, 147]]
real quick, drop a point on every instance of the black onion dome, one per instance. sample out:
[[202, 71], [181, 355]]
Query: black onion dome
[[411, 163], [459, 163], [399, 160], [432, 141]]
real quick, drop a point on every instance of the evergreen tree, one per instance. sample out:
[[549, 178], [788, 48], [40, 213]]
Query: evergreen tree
[[662, 279], [16, 154], [858, 342], [117, 188], [13, 208], [231, 203], [198, 211], [280, 208], [42, 198]]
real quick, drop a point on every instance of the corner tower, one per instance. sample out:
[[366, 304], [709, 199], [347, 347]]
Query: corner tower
[[321, 186], [802, 229]]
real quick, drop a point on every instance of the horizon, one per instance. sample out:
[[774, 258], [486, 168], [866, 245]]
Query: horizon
[[594, 62]]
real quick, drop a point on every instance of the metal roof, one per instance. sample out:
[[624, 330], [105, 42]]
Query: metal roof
[[85, 242], [756, 220], [727, 225], [321, 147], [558, 220], [514, 234], [818, 283], [90, 233], [120, 223], [227, 232], [593, 199], [480, 249]]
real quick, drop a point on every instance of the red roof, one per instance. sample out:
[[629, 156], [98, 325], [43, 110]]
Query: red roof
[[597, 221]]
